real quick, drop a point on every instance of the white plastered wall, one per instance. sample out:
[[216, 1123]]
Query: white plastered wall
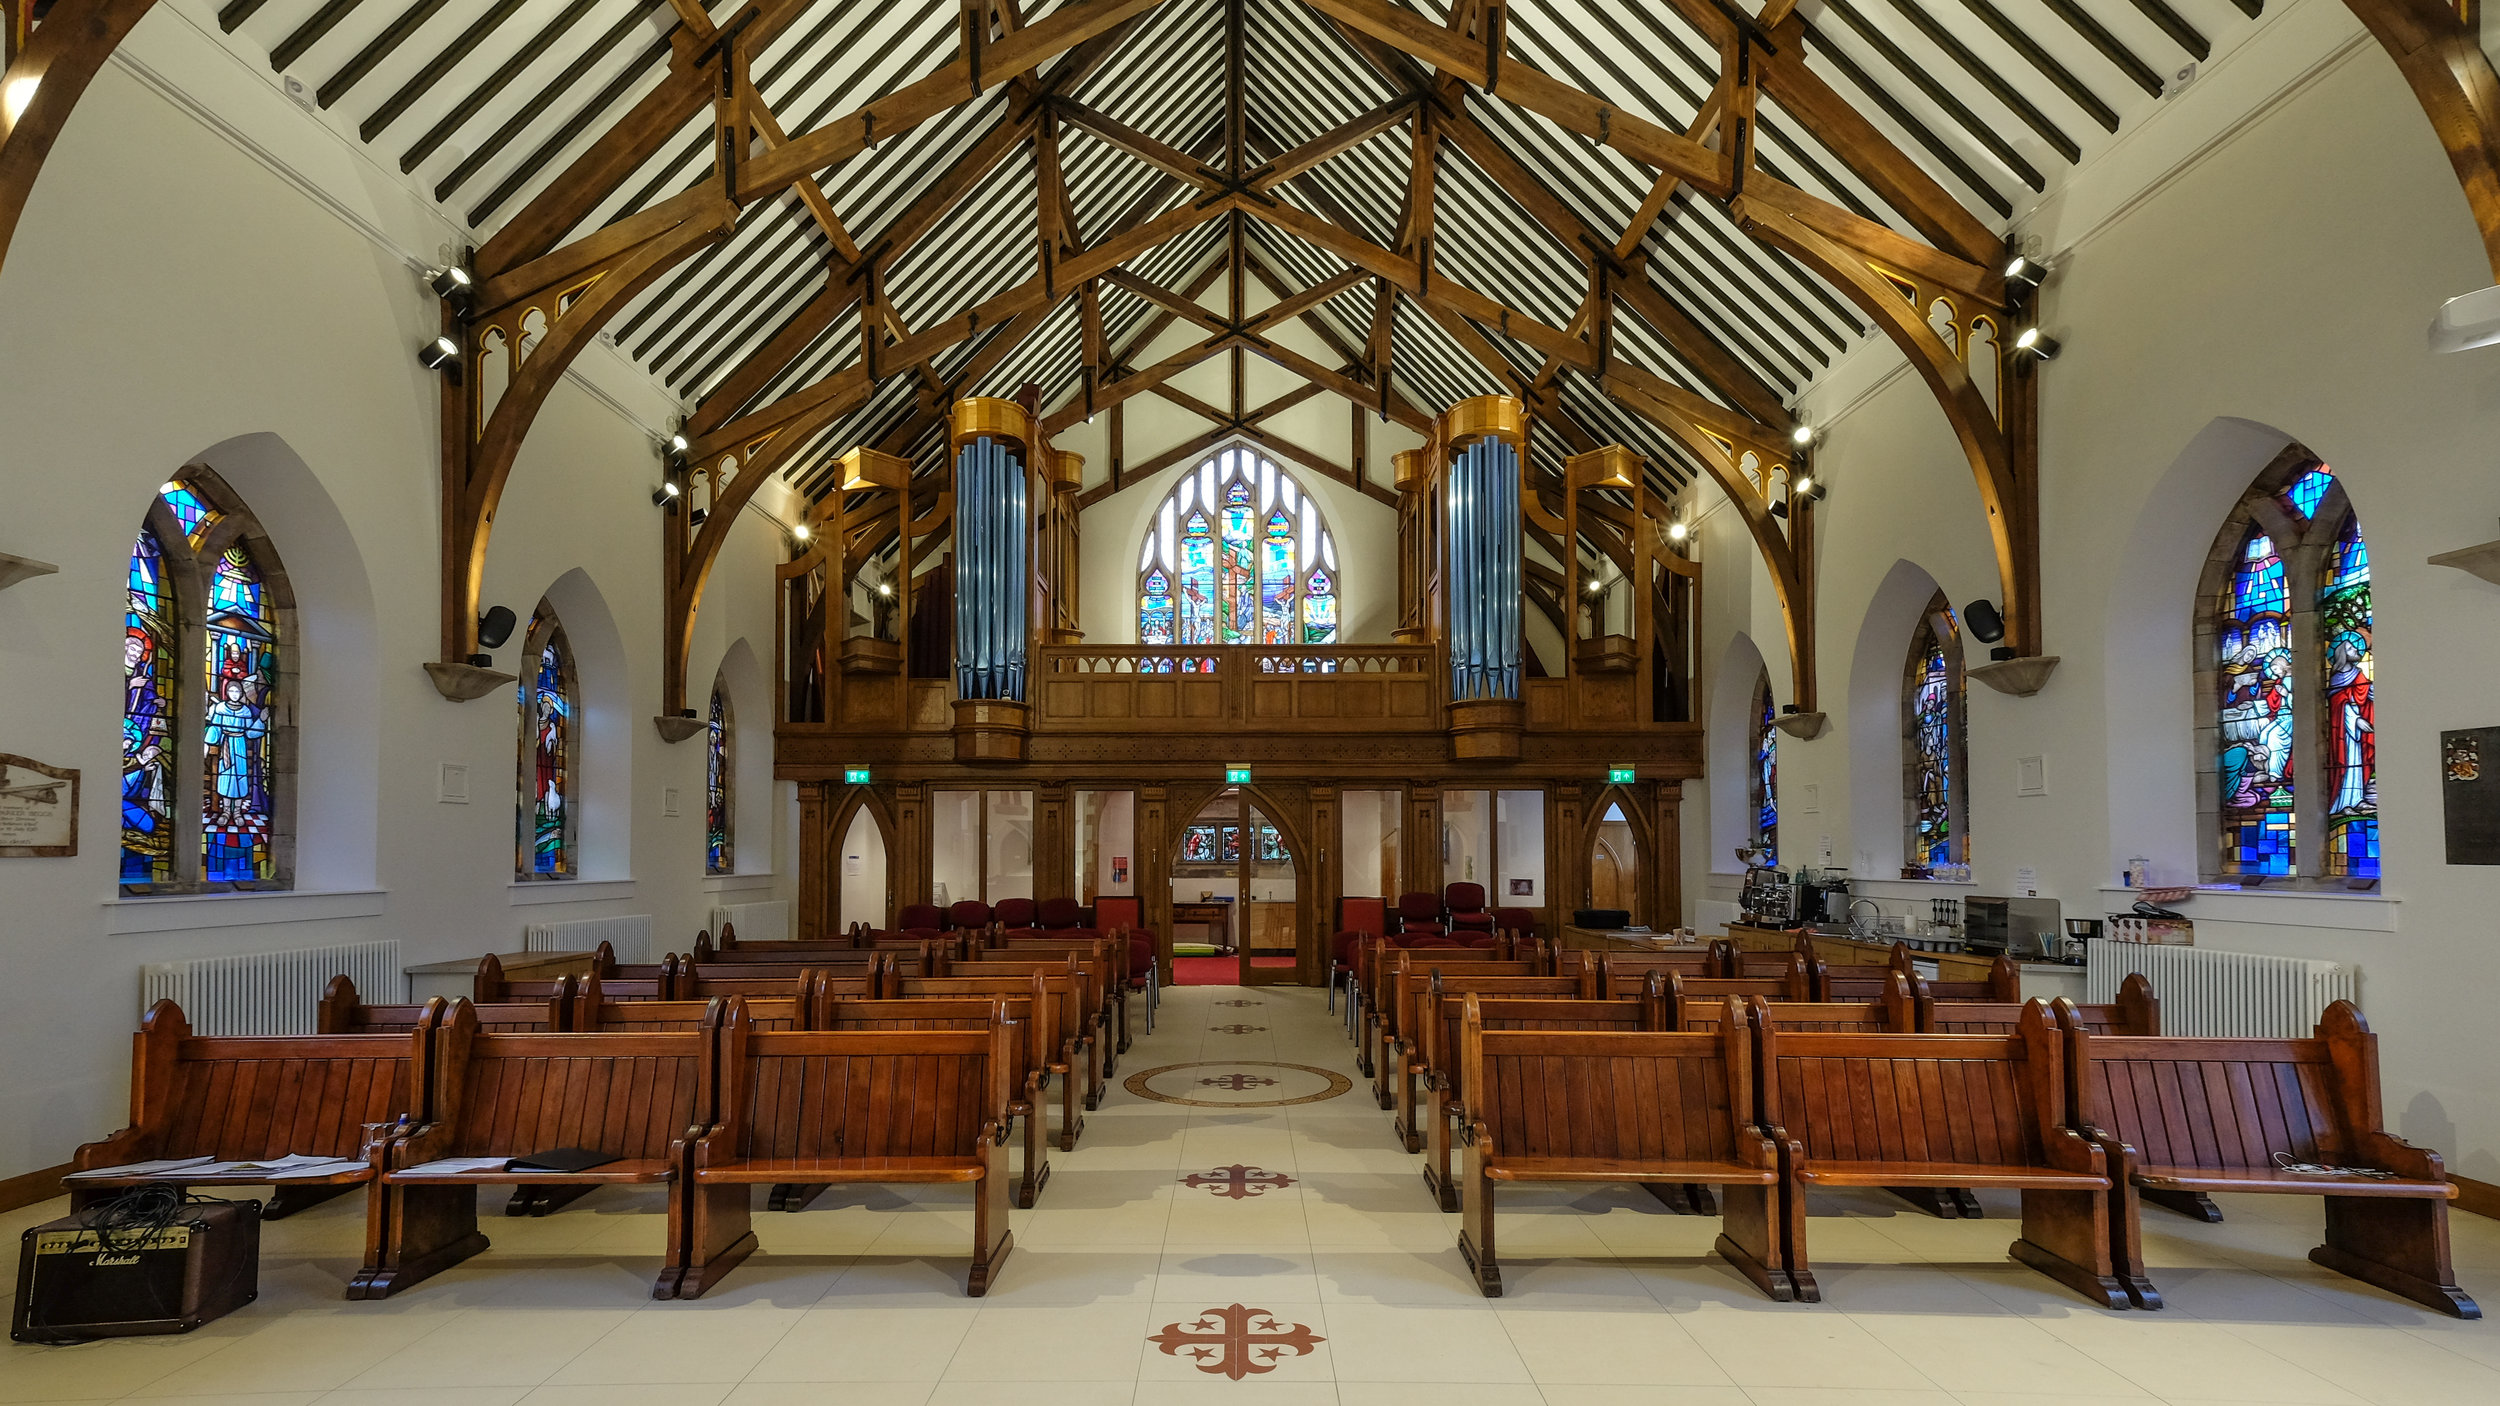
[[204, 275], [2257, 262]]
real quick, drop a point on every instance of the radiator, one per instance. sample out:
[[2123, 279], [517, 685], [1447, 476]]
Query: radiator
[[2208, 992], [271, 993], [768, 921], [629, 936]]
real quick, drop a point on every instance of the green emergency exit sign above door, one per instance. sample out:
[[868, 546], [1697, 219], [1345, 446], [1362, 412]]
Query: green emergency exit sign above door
[[854, 776], [1619, 776], [1236, 776]]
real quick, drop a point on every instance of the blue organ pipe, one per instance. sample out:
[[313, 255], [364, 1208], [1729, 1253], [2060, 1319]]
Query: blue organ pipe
[[1485, 571], [991, 562]]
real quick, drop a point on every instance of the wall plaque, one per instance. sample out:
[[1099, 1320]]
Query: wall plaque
[[38, 809], [2469, 786]]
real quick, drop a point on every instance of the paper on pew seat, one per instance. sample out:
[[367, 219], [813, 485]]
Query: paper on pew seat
[[319, 1167], [145, 1169], [453, 1166]]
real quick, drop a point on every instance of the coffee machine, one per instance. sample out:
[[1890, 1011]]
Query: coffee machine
[[1768, 900]]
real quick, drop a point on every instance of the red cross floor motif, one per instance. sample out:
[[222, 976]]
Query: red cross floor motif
[[1238, 1083], [1238, 1029], [1236, 1182], [1236, 1341]]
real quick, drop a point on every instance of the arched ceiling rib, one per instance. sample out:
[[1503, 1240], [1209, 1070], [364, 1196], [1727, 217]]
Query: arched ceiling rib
[[482, 103]]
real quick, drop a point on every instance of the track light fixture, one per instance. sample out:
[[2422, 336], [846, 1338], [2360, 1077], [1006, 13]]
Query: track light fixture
[[438, 352], [2038, 343], [665, 494]]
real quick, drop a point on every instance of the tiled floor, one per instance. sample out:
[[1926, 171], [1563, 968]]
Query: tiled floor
[[1612, 1301]]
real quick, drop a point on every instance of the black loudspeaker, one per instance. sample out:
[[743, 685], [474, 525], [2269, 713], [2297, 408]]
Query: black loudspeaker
[[1984, 621], [76, 1282]]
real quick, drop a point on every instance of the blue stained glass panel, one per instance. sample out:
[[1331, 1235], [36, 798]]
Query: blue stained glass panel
[[1319, 610], [1154, 610], [719, 857], [2253, 679], [1933, 839], [238, 727], [548, 776], [1238, 595], [2303, 494], [191, 510], [1766, 762], [1197, 581], [147, 718], [1276, 582]]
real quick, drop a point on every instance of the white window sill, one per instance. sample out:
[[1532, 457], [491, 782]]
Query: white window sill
[[738, 883], [2287, 908], [532, 891], [186, 912]]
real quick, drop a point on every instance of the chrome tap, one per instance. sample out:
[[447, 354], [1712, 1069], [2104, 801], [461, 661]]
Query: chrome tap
[[1871, 928]]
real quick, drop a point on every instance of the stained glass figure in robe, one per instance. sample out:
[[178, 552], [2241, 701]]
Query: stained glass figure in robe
[[237, 727], [718, 856], [147, 718], [1277, 579], [1197, 581], [2253, 673], [1932, 715], [1766, 823], [2352, 848], [1238, 597], [550, 773]]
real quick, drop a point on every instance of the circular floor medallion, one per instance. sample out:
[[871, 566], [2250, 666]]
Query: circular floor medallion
[[1237, 1083]]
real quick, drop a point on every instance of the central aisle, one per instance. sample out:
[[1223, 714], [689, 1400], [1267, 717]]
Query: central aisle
[[1275, 1228]]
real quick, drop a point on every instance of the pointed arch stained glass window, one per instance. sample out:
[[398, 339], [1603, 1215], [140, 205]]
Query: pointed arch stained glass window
[[1936, 751], [238, 725], [1237, 555], [2351, 759], [148, 636], [719, 786], [1766, 764], [549, 712], [2254, 683]]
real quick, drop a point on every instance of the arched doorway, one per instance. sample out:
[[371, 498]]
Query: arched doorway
[[1615, 863], [1237, 869]]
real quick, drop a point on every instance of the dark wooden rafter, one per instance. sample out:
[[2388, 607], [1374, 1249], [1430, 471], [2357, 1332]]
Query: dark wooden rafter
[[2438, 49], [47, 70]]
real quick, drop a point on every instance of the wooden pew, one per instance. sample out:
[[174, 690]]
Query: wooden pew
[[860, 982], [1374, 956], [1054, 1032], [1895, 1012], [851, 1106], [2004, 981], [341, 1013], [1713, 960], [2181, 1118], [603, 963], [1414, 988], [1659, 1108], [1031, 1017], [638, 1096], [1422, 962], [491, 987], [1444, 1076], [253, 1097], [593, 1013], [1092, 1030], [2135, 1012], [1111, 947], [1629, 979], [1934, 1112]]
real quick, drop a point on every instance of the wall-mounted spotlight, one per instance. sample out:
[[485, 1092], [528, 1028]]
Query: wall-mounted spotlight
[[801, 531], [449, 282], [677, 443], [1801, 436], [493, 628], [1810, 487], [437, 353], [885, 588], [1677, 531], [2038, 343], [696, 518], [1987, 625], [2023, 275], [665, 494]]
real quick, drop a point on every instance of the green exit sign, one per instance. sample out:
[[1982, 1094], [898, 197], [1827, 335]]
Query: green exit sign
[[1236, 776], [855, 776], [1619, 776]]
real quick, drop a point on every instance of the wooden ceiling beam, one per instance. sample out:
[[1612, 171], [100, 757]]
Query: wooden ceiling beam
[[53, 70], [1345, 136], [2443, 61], [1170, 160]]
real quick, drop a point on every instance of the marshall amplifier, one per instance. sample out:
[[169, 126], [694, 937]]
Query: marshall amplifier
[[78, 1278]]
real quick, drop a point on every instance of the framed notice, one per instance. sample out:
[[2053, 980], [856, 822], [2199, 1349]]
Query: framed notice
[[2469, 789], [38, 809]]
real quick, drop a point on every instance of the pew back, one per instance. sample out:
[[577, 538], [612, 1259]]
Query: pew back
[[1651, 1097], [630, 1094]]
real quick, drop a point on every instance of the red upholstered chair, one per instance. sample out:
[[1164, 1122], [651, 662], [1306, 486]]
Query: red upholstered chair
[[1418, 915], [1521, 922], [922, 920], [1465, 904], [1056, 914], [1014, 914], [970, 913], [1436, 940]]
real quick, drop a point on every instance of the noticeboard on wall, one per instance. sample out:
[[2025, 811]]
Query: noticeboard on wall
[[2469, 788]]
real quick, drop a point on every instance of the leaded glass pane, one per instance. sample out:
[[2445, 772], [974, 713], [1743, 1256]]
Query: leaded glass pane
[[2351, 735], [1932, 830], [719, 853], [148, 718], [2304, 493], [1276, 582], [2254, 683], [191, 510], [1237, 603], [238, 727], [1766, 823], [547, 771]]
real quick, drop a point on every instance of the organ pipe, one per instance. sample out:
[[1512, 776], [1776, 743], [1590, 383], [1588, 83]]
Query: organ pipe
[[993, 442], [1487, 437]]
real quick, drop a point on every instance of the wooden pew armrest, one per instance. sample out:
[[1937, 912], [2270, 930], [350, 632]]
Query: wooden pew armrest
[[424, 1143], [2071, 1151], [2391, 1153], [128, 1145]]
